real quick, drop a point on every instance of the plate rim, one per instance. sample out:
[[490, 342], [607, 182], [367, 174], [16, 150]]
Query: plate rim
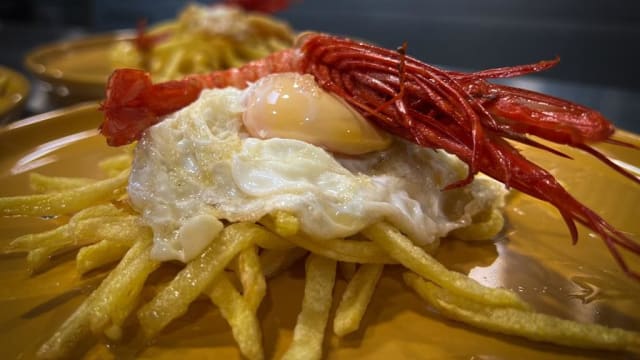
[[23, 89], [48, 116], [35, 67]]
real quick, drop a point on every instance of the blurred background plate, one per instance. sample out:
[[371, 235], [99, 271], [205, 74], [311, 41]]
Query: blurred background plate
[[14, 90], [75, 70], [533, 257]]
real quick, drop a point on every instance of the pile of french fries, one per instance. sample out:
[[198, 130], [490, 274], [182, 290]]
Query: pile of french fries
[[186, 49], [233, 272]]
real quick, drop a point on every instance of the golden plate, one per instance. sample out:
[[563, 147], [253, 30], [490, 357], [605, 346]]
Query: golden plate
[[14, 91], [76, 70], [534, 258]]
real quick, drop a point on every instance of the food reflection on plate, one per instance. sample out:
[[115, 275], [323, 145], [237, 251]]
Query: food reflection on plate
[[14, 90]]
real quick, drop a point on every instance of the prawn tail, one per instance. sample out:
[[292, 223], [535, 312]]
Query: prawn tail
[[133, 103]]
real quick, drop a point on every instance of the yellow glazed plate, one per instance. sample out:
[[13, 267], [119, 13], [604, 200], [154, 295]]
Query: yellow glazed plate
[[533, 257], [76, 69], [14, 91]]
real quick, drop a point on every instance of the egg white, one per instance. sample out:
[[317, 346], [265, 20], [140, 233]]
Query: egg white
[[200, 166]]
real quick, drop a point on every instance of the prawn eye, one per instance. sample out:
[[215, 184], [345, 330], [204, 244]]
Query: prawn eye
[[293, 106]]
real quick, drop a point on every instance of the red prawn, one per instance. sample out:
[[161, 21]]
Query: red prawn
[[267, 7], [461, 113]]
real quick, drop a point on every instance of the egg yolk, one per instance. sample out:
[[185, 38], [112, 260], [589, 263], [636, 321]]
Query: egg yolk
[[293, 106]]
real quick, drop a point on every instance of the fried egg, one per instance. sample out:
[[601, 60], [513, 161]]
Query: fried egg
[[285, 144]]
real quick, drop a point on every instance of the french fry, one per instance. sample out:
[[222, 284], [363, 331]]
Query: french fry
[[484, 228], [338, 249], [86, 227], [416, 259], [347, 269], [118, 230], [173, 64], [124, 229], [239, 314], [273, 262], [114, 165], [531, 325], [99, 254], [174, 300], [230, 58], [37, 259], [78, 326], [356, 298], [363, 252], [59, 236], [47, 184], [65, 202], [279, 33], [100, 210], [268, 240], [116, 296], [354, 251], [285, 224], [42, 246], [251, 277], [72, 332], [308, 333]]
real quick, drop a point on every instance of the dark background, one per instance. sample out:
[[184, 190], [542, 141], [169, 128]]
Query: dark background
[[598, 41]]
